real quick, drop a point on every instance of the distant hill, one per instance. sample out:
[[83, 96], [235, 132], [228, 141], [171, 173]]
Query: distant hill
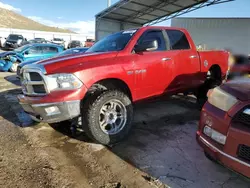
[[9, 19]]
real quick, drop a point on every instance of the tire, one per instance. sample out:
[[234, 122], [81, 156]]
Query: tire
[[213, 80], [210, 157], [13, 68], [98, 109]]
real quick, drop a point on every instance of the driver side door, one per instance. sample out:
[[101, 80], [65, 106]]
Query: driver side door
[[152, 68]]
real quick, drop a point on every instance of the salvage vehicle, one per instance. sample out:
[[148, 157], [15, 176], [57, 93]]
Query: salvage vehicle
[[14, 41], [74, 44], [35, 51], [101, 85], [240, 67], [58, 41], [40, 40], [63, 53], [89, 42], [224, 128], [2, 41]]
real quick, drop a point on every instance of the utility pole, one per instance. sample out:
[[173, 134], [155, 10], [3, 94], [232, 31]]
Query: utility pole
[[108, 3]]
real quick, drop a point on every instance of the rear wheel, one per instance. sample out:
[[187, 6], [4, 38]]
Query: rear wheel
[[213, 80], [208, 156], [107, 116]]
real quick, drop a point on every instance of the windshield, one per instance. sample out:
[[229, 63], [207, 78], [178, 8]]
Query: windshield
[[114, 42], [14, 37], [22, 48]]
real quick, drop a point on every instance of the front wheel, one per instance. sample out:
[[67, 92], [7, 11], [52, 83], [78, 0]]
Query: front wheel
[[106, 117]]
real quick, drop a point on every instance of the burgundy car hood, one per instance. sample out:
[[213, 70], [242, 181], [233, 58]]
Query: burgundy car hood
[[62, 63], [238, 88]]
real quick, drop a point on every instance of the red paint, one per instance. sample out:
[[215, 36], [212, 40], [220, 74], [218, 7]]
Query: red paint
[[237, 133], [180, 73]]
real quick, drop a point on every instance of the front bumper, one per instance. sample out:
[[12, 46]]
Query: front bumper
[[226, 159], [236, 135], [64, 111]]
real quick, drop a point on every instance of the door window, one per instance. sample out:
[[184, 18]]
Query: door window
[[49, 49], [154, 35], [34, 50], [178, 40]]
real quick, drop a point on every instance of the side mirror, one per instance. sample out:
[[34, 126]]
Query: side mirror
[[26, 53], [146, 46]]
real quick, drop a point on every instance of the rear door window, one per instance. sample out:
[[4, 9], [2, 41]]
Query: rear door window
[[178, 40], [49, 49]]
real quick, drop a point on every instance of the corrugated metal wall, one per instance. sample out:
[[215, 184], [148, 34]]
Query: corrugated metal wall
[[218, 33], [106, 27]]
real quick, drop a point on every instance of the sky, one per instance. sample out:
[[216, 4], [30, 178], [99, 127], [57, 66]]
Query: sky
[[79, 15]]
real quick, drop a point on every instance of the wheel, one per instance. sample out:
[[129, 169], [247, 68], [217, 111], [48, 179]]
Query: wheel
[[209, 157], [213, 80], [201, 94], [107, 116], [14, 66]]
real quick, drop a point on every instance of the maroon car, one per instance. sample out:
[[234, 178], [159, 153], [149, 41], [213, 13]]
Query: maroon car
[[224, 129]]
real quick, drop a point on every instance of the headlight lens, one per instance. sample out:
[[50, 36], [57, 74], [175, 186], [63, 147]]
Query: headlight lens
[[63, 82], [221, 99]]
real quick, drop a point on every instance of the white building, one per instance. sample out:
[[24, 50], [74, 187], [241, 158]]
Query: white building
[[218, 33]]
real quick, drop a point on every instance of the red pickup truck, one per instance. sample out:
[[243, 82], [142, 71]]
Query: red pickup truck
[[101, 85]]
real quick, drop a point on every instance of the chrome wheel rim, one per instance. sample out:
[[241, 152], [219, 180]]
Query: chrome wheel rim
[[112, 117]]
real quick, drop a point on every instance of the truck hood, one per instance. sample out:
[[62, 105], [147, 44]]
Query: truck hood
[[28, 62], [12, 53], [238, 88], [53, 65]]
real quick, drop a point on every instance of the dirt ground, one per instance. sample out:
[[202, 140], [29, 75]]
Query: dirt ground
[[161, 150]]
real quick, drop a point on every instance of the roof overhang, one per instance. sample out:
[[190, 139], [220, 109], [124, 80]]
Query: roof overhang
[[149, 12]]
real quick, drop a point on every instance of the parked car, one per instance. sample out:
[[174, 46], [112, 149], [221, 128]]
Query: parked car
[[63, 53], [40, 40], [89, 42], [58, 41], [102, 84], [14, 41], [240, 67], [36, 51], [75, 44], [2, 41], [224, 129]]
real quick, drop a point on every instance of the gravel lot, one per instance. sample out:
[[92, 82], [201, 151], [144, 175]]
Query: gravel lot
[[161, 150]]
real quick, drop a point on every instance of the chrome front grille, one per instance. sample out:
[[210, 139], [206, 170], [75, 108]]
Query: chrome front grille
[[33, 82]]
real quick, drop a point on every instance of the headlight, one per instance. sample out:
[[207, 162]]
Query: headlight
[[221, 99], [215, 135], [63, 82]]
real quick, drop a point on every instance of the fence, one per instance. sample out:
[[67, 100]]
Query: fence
[[30, 34]]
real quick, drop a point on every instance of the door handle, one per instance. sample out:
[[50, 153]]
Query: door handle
[[193, 56], [166, 58]]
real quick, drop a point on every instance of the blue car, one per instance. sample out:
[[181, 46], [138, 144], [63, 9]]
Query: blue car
[[66, 52], [29, 52]]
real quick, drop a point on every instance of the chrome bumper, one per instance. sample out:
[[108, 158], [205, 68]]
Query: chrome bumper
[[60, 111], [211, 146]]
